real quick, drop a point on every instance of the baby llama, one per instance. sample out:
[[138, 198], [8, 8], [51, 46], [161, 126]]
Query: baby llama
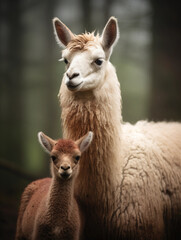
[[131, 186], [48, 209]]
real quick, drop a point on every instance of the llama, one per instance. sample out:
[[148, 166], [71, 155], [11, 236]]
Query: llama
[[48, 207], [131, 186]]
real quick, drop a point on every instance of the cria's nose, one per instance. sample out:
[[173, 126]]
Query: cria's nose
[[65, 167], [71, 76]]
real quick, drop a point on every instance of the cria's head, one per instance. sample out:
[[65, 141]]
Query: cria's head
[[85, 55], [65, 154]]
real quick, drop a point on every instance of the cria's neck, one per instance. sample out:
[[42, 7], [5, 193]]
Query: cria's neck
[[61, 194]]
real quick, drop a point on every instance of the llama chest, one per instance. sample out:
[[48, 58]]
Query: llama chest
[[61, 231], [69, 231]]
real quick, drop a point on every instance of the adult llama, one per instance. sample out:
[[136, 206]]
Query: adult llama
[[130, 187]]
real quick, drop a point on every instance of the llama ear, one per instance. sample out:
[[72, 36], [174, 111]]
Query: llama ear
[[62, 33], [84, 142], [46, 142], [110, 35]]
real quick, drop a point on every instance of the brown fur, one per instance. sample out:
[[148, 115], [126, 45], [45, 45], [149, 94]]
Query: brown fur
[[65, 146], [48, 208], [82, 42]]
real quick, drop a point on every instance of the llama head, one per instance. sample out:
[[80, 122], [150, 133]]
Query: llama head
[[65, 154], [86, 55]]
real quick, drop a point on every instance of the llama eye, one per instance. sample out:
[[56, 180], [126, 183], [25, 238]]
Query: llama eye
[[98, 62], [53, 158], [65, 61], [77, 158]]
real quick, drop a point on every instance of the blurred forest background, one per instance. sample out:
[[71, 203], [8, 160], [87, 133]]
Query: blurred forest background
[[147, 59]]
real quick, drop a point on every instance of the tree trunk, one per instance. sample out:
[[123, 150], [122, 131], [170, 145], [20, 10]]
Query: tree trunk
[[166, 61], [12, 95], [52, 115], [86, 15], [107, 9]]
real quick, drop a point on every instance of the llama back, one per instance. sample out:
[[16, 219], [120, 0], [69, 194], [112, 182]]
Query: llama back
[[29, 205], [163, 139], [152, 167], [159, 145]]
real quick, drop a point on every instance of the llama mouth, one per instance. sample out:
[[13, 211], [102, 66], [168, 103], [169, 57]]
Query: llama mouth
[[72, 86], [65, 175]]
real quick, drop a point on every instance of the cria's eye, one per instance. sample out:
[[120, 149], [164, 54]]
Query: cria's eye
[[77, 158], [53, 158], [98, 62], [65, 61]]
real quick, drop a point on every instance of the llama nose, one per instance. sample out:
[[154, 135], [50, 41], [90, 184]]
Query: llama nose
[[65, 167], [71, 76]]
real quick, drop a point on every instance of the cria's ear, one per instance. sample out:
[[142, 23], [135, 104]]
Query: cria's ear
[[63, 34], [84, 142], [110, 35], [46, 142]]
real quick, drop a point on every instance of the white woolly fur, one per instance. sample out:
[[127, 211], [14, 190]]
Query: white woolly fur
[[131, 186]]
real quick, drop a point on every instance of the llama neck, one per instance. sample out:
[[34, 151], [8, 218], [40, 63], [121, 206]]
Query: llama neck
[[98, 111], [60, 198]]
